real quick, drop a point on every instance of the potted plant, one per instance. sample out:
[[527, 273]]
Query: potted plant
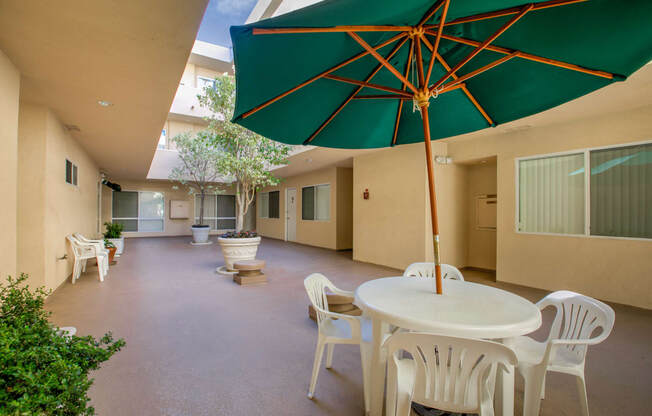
[[113, 233], [238, 246], [112, 249], [246, 160], [198, 172], [44, 370]]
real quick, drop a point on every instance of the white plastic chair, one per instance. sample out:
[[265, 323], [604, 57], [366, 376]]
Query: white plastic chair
[[99, 244], [446, 373], [428, 270], [335, 328], [85, 251], [578, 318]]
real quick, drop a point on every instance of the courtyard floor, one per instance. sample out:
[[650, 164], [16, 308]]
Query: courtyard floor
[[199, 344]]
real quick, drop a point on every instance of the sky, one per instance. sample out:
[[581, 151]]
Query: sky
[[219, 16]]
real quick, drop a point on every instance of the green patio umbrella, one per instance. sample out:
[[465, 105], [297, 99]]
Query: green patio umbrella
[[378, 73]]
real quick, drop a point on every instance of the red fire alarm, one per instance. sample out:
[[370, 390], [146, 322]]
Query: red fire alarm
[[365, 194]]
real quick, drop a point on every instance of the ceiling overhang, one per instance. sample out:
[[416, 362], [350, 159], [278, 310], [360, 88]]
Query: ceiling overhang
[[72, 54]]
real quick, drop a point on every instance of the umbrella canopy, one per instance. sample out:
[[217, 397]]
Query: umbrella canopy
[[351, 73]]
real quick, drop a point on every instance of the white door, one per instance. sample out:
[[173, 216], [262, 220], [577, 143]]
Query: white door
[[291, 214]]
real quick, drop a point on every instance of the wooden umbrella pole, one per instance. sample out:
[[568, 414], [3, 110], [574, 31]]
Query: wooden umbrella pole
[[433, 198]]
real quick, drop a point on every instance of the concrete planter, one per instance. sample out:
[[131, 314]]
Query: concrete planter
[[237, 249], [200, 234], [119, 244]]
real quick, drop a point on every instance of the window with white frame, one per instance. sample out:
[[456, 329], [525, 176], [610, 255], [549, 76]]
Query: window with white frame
[[203, 82], [219, 211], [269, 204], [316, 202], [71, 173], [615, 200], [139, 211]]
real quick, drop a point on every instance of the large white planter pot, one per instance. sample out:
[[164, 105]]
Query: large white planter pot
[[119, 244], [200, 234], [237, 249]]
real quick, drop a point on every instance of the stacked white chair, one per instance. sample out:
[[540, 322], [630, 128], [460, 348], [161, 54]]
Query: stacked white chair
[[428, 270], [573, 330], [445, 373], [82, 252], [335, 328]]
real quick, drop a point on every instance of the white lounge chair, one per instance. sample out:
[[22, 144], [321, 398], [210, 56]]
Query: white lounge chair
[[84, 251]]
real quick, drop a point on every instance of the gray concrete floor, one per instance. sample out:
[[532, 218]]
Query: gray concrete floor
[[198, 344]]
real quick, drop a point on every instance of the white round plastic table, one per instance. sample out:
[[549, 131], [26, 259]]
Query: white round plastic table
[[464, 309]]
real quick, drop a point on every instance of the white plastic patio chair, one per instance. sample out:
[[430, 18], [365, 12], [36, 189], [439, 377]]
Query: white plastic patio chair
[[335, 328], [446, 373], [97, 243], [85, 251], [428, 270], [573, 330]]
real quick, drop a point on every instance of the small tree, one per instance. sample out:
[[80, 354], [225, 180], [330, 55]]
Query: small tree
[[199, 168], [247, 156]]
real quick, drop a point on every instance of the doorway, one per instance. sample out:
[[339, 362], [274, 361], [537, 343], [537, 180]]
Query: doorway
[[291, 214]]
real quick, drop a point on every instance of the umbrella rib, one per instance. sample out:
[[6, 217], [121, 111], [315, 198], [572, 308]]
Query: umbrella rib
[[431, 12], [355, 93], [382, 97], [483, 45], [440, 29], [321, 75], [400, 103], [481, 70], [466, 91], [367, 84], [529, 56], [382, 60], [506, 12], [332, 29]]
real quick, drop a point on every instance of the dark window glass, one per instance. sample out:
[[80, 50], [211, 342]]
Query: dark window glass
[[621, 192], [274, 204], [128, 225], [226, 205], [68, 171], [225, 224], [125, 205], [308, 203], [74, 174]]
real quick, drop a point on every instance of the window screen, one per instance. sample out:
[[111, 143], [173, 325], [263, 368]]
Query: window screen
[[551, 194]]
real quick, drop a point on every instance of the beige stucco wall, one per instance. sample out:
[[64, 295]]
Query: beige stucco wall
[[48, 207], [481, 244], [9, 96], [345, 208], [172, 227], [389, 227], [314, 233], [613, 269], [393, 226]]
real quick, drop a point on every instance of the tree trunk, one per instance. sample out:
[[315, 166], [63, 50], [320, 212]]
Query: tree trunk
[[201, 208], [239, 215]]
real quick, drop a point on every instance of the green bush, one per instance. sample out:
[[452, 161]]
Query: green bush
[[113, 230], [41, 371]]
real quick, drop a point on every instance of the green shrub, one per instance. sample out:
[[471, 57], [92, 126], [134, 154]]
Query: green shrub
[[113, 230], [41, 371]]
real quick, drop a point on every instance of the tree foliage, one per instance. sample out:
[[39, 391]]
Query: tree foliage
[[43, 372], [200, 165], [247, 157]]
